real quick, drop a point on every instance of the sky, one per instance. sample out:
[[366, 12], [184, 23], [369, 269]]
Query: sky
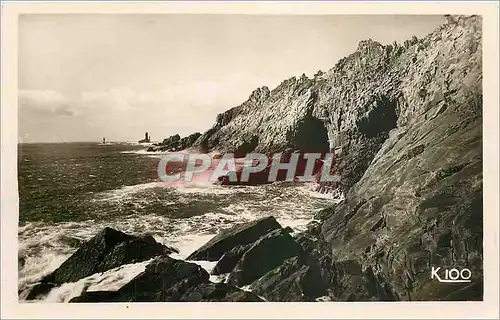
[[82, 77]]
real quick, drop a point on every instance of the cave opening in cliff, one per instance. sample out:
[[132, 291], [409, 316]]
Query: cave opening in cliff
[[311, 135], [380, 120], [246, 146]]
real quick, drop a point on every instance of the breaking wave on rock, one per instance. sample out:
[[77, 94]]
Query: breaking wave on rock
[[44, 246]]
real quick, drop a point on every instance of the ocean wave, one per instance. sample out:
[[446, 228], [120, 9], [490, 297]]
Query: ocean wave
[[126, 191], [44, 246], [110, 280], [311, 190]]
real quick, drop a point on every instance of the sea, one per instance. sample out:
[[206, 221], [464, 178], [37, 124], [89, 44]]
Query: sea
[[68, 192]]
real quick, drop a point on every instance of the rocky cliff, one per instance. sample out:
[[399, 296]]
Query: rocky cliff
[[354, 106], [406, 120]]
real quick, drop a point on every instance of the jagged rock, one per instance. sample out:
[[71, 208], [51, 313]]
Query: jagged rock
[[188, 141], [407, 121], [279, 120], [172, 140], [86, 260], [352, 283], [306, 241], [171, 280], [218, 292], [239, 235], [452, 292], [229, 260], [418, 203], [264, 255], [293, 280], [175, 143], [134, 250], [245, 145], [106, 250], [164, 279], [323, 214]]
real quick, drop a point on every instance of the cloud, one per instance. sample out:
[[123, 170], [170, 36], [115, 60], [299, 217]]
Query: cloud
[[45, 102], [123, 113]]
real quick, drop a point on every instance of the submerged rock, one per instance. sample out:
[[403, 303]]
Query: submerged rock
[[228, 239], [21, 261]]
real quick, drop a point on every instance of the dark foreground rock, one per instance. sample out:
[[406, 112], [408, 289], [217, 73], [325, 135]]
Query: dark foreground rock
[[264, 255], [229, 260], [106, 250], [294, 280], [166, 279], [226, 240]]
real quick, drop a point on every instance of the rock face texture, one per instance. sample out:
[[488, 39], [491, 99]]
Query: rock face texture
[[419, 203], [293, 280], [271, 262], [263, 256], [406, 123], [228, 239]]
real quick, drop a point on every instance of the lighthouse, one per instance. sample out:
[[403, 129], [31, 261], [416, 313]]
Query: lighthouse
[[146, 139]]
